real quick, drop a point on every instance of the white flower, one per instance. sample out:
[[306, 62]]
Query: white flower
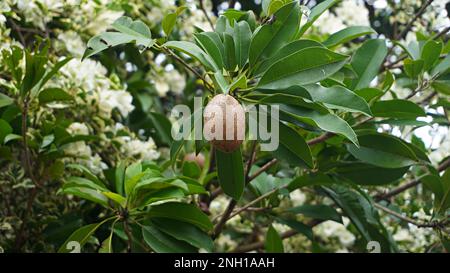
[[297, 198], [176, 81], [102, 21], [84, 73], [144, 150], [161, 86], [403, 235], [110, 99], [72, 42], [77, 128]]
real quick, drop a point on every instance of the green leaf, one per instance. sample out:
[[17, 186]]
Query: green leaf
[[430, 53], [322, 212], [87, 173], [297, 226], [5, 100], [315, 14], [238, 83], [107, 243], [185, 232], [325, 121], [195, 52], [444, 203], [119, 178], [230, 170], [88, 194], [242, 36], [182, 212], [269, 38], [163, 243], [285, 51], [363, 215], [220, 82], [212, 45], [293, 148], [306, 66], [119, 199], [338, 97], [369, 175], [133, 174], [347, 34], [5, 129], [34, 70], [53, 94], [229, 52], [442, 67], [82, 182], [164, 194], [384, 151], [442, 84], [413, 68], [53, 71], [397, 109], [81, 236], [168, 23], [273, 242], [129, 31], [367, 61]]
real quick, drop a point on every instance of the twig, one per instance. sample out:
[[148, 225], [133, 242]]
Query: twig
[[169, 52], [409, 184], [129, 236], [202, 7], [256, 200], [284, 235], [419, 13], [409, 220], [225, 216]]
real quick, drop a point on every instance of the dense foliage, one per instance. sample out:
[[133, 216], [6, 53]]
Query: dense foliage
[[88, 161]]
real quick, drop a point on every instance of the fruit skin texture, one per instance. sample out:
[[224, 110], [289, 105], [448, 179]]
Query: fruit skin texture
[[199, 159], [226, 112]]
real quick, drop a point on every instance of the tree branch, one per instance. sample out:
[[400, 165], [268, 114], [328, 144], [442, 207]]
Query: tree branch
[[410, 220], [202, 7], [409, 184]]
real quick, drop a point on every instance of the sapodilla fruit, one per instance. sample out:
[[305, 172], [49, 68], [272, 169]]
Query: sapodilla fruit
[[224, 123]]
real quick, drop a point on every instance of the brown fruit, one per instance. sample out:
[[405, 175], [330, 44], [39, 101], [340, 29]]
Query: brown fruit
[[224, 123], [199, 159]]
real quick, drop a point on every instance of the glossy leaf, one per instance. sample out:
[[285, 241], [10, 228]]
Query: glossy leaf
[[430, 53], [322, 212], [230, 170], [347, 34], [383, 151], [367, 61], [304, 67], [338, 97], [397, 109], [195, 52], [53, 94], [128, 31], [182, 212], [293, 148], [271, 37], [242, 36], [273, 242], [185, 232], [80, 236], [163, 243], [315, 14]]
